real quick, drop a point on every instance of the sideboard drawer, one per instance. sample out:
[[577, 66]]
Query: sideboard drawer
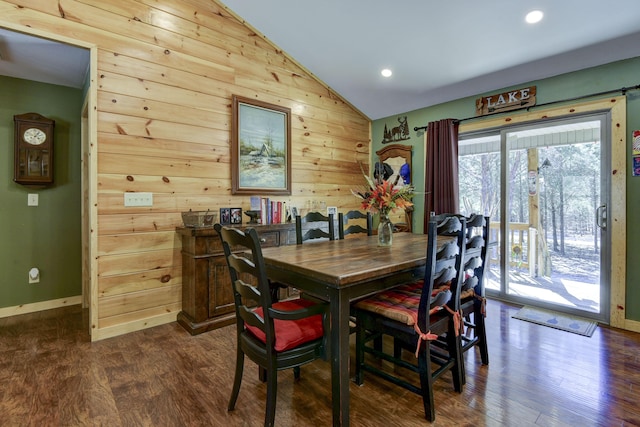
[[269, 239]]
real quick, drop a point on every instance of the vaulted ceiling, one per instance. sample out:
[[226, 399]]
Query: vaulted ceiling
[[438, 51], [441, 50]]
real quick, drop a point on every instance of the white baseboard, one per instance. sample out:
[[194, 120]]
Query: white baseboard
[[39, 306]]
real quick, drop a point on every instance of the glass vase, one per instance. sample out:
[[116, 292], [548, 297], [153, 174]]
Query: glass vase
[[385, 231]]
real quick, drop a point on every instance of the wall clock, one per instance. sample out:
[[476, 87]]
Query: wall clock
[[33, 149]]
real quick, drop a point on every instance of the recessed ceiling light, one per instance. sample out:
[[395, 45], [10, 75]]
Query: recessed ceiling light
[[534, 16], [386, 72]]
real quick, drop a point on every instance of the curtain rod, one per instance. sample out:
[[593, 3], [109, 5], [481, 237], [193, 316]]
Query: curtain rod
[[622, 90]]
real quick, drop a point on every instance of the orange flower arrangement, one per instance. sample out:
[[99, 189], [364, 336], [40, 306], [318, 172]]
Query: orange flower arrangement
[[383, 197]]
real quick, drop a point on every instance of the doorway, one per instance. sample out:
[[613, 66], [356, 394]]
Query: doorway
[[545, 180], [72, 63]]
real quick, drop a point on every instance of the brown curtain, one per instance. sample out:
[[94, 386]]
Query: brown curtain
[[441, 169]]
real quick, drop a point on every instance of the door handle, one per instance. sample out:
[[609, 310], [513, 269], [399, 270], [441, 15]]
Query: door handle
[[601, 217]]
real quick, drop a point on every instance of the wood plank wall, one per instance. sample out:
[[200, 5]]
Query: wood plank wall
[[166, 71]]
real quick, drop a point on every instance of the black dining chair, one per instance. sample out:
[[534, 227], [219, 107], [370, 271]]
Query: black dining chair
[[472, 295], [352, 226], [472, 292], [274, 335], [407, 315], [314, 225]]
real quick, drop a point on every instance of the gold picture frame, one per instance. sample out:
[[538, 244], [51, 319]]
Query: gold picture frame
[[260, 148]]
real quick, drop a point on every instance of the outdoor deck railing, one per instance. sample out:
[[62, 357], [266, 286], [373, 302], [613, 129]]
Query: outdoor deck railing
[[521, 245]]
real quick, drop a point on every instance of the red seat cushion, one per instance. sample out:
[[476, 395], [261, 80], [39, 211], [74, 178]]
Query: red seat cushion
[[291, 333]]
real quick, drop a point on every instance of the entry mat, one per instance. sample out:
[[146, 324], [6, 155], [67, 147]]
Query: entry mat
[[556, 320]]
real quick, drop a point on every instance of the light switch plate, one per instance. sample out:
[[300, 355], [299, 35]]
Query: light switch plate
[[32, 200], [138, 199]]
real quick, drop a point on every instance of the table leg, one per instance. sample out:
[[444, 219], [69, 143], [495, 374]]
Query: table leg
[[339, 303]]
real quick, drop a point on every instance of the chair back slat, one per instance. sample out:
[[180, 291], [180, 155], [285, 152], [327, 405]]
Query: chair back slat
[[248, 277], [445, 275], [250, 317], [443, 264], [315, 233], [477, 239], [475, 262], [343, 220], [323, 227], [475, 242], [474, 221]]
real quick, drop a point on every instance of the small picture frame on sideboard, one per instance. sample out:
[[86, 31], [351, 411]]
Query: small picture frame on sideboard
[[236, 215], [225, 216]]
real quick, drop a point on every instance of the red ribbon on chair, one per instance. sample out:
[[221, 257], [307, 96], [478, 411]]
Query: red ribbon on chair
[[458, 326], [483, 304], [423, 337]]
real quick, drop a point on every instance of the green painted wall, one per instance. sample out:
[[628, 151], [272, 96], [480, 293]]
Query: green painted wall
[[47, 236], [593, 80]]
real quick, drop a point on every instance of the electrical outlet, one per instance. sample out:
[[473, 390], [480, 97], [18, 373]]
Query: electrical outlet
[[34, 275], [138, 199]]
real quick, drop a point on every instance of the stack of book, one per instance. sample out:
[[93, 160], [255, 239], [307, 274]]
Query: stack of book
[[271, 211]]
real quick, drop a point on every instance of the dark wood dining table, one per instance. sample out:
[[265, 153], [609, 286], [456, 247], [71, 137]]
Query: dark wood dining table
[[340, 272]]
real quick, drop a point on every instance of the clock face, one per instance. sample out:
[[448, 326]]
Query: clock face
[[34, 136]]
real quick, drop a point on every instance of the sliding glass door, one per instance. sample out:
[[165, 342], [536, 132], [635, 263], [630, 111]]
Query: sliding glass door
[[541, 184]]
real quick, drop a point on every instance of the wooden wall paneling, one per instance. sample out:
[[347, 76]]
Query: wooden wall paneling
[[136, 301], [324, 172], [334, 157], [166, 184], [142, 261], [138, 87], [322, 189], [166, 73], [308, 173], [160, 147], [130, 321], [136, 242], [302, 110], [133, 282], [158, 110], [176, 203], [617, 218], [120, 43], [113, 19], [161, 58], [212, 23], [270, 91], [123, 65], [175, 86], [253, 80], [110, 203], [159, 166], [138, 222], [323, 131], [176, 150]]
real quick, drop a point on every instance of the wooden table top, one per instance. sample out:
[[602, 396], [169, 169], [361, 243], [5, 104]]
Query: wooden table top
[[344, 262]]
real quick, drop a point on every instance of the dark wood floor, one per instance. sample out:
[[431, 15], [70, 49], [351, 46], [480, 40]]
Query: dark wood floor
[[51, 375]]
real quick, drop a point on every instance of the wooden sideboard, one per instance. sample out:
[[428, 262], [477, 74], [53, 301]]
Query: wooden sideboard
[[207, 298]]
